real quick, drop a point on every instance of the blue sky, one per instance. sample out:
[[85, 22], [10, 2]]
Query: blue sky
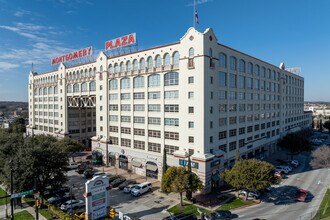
[[295, 32]]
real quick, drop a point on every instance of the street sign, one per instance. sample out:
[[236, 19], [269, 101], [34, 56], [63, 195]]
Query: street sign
[[21, 194]]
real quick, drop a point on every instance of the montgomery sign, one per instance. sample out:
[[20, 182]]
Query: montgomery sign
[[72, 56]]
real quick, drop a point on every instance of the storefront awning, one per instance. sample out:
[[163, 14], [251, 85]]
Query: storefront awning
[[152, 167], [136, 163]]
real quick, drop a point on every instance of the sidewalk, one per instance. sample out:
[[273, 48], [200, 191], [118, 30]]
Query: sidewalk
[[25, 207]]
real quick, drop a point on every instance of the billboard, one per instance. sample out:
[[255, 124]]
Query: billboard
[[119, 42], [72, 56], [97, 197]]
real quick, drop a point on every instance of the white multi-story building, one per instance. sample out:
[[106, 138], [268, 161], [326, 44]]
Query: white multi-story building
[[193, 97]]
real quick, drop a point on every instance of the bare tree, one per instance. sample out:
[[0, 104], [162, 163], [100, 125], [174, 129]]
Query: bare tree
[[321, 157]]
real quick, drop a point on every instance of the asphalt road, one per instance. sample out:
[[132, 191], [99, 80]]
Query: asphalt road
[[278, 204]]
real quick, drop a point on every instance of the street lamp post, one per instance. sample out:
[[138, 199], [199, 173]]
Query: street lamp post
[[11, 162]]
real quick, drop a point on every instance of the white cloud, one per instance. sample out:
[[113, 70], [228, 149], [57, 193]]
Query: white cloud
[[199, 2], [7, 66], [22, 12]]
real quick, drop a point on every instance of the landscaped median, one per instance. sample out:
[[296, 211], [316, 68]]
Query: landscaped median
[[3, 193], [324, 209], [233, 203], [23, 215]]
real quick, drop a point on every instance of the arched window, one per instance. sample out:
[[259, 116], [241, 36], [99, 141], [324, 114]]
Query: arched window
[[116, 68], [242, 66], [138, 82], [233, 63], [122, 68], [142, 64], [125, 83], [55, 90], [82, 74], [74, 75], [250, 68], [167, 60], [222, 60], [158, 61], [191, 52], [154, 80], [256, 70], [171, 78], [78, 74], [110, 68], [50, 90], [128, 66], [40, 91], [90, 72], [76, 87], [94, 72], [86, 73], [135, 65], [263, 72], [45, 91], [113, 84], [69, 88], [176, 57], [92, 86], [149, 63], [84, 87]]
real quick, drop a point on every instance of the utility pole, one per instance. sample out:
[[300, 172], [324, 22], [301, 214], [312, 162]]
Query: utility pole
[[11, 162]]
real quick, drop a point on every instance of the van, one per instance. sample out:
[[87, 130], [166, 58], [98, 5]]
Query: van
[[141, 189]]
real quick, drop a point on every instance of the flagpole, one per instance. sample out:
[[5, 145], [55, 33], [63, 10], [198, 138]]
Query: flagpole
[[194, 19]]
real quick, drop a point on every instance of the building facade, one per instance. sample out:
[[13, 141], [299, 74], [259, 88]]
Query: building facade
[[194, 97]]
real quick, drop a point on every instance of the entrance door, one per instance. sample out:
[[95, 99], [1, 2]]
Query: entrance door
[[123, 162], [152, 170]]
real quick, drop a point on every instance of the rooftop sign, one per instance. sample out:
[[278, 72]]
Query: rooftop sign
[[72, 56], [123, 41]]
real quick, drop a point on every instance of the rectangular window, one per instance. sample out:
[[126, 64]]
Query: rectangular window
[[171, 135], [241, 82], [125, 142], [125, 96], [249, 129], [113, 96], [153, 121], [139, 132], [174, 94], [171, 108], [125, 119], [138, 119], [232, 80], [241, 130], [222, 107], [232, 107], [222, 94], [190, 95], [241, 143], [232, 146], [125, 130], [232, 120], [139, 145], [171, 121], [241, 107], [190, 124], [113, 118], [154, 147], [223, 147], [113, 140], [222, 135], [232, 132], [190, 109], [222, 122], [241, 119], [138, 95], [139, 107], [190, 80], [190, 139], [125, 107], [154, 133], [222, 79], [154, 108], [232, 95], [171, 149], [113, 129], [153, 95]]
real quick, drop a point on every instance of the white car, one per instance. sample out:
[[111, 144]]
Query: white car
[[128, 188], [253, 194], [281, 168], [71, 204], [141, 189]]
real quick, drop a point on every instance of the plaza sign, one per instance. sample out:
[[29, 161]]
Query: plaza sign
[[97, 197], [72, 56], [123, 41]]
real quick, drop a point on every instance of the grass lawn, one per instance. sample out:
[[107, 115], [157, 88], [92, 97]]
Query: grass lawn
[[43, 210], [23, 215], [235, 203], [3, 193], [324, 209], [187, 208]]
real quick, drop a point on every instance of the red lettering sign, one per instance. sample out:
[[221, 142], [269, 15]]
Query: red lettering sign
[[73, 55], [123, 41]]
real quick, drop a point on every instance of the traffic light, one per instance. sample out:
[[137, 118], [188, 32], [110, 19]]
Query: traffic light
[[112, 213], [37, 203]]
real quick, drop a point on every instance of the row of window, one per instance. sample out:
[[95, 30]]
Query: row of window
[[84, 87], [151, 133], [141, 120], [173, 94], [233, 95], [45, 99], [47, 90], [47, 79], [140, 107]]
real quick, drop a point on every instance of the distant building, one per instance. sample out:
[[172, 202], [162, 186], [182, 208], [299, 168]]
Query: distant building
[[193, 97]]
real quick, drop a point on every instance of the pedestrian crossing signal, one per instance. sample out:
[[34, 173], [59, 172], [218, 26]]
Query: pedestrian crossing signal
[[112, 213], [37, 203]]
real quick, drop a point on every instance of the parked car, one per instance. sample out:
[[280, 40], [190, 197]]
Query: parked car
[[56, 197], [82, 167], [282, 168], [88, 157], [126, 183], [73, 165], [112, 178], [59, 201], [253, 194], [71, 204], [128, 188], [99, 174], [218, 215], [141, 189], [301, 195], [89, 173], [117, 182], [181, 216]]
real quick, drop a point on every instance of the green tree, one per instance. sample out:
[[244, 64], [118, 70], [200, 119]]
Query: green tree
[[250, 174], [176, 180], [327, 125], [190, 177], [70, 146], [18, 126], [295, 142], [164, 166]]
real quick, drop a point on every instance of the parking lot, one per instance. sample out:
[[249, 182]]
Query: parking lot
[[151, 205]]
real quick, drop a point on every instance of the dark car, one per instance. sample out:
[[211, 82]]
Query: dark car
[[61, 200], [112, 178], [126, 183], [117, 182], [82, 167], [89, 173], [218, 215], [181, 216], [54, 192]]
